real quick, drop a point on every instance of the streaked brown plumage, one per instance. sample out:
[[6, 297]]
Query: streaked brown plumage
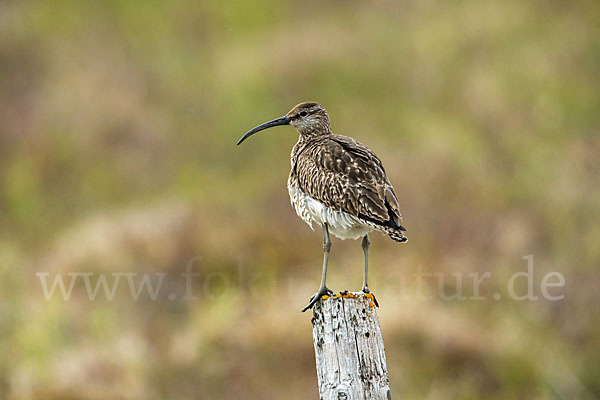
[[338, 183]]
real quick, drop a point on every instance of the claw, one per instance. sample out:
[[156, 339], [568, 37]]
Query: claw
[[366, 290], [317, 296]]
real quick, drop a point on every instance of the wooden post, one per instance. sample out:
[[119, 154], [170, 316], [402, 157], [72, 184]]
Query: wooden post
[[349, 348]]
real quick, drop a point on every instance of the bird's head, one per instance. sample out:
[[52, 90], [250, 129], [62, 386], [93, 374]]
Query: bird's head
[[309, 118]]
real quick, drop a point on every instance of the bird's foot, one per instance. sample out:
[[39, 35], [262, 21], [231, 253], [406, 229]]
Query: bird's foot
[[324, 291], [366, 290]]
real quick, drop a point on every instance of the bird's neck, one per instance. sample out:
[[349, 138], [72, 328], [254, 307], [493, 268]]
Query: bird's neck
[[305, 141], [313, 134], [315, 128]]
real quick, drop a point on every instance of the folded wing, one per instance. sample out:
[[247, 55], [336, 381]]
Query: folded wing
[[345, 175]]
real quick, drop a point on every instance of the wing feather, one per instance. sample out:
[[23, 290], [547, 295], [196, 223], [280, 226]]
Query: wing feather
[[343, 174]]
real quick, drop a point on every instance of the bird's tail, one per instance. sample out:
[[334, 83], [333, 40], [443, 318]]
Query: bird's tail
[[398, 236], [395, 232]]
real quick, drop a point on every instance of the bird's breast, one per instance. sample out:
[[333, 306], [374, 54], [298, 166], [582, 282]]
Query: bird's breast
[[340, 223]]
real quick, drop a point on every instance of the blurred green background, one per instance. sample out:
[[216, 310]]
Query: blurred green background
[[117, 155]]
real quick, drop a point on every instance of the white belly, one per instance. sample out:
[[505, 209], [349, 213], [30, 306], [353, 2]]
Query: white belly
[[340, 223]]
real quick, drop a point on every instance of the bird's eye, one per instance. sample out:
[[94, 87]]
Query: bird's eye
[[303, 114]]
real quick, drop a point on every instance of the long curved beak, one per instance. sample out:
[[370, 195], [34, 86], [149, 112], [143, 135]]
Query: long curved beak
[[279, 121]]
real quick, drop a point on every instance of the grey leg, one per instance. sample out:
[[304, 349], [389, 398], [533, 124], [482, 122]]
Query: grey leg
[[323, 290], [365, 246], [326, 248]]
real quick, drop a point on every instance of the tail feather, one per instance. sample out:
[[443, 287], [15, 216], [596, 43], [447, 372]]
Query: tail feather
[[396, 233], [398, 236]]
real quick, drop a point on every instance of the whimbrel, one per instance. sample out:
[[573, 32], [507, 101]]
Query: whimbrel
[[337, 183]]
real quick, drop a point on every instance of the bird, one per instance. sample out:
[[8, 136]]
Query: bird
[[337, 183]]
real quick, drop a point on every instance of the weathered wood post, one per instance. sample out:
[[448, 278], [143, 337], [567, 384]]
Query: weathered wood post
[[349, 348]]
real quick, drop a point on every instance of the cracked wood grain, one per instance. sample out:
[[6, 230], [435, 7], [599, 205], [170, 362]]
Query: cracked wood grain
[[349, 350]]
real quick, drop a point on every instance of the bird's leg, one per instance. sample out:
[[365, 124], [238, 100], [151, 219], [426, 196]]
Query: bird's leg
[[323, 290], [365, 246]]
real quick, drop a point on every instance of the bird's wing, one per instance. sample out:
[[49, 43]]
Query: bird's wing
[[343, 174]]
